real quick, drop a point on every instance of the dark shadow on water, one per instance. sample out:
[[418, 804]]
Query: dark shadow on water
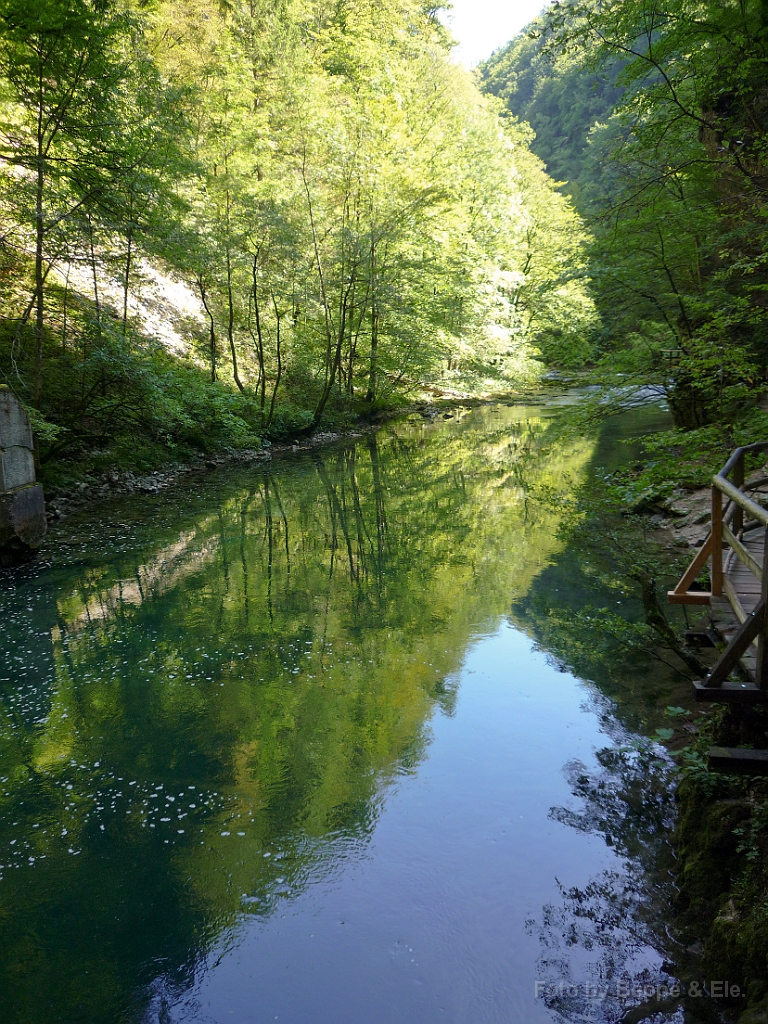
[[610, 952]]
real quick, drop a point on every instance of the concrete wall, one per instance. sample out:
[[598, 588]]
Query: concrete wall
[[17, 460], [22, 503]]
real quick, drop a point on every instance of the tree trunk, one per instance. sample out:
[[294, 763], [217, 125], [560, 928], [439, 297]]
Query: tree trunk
[[655, 618], [212, 329], [279, 373], [373, 365], [97, 303], [231, 324], [39, 243], [259, 341], [64, 312], [128, 261], [336, 363]]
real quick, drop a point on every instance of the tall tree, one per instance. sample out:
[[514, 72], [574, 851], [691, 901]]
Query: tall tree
[[62, 64]]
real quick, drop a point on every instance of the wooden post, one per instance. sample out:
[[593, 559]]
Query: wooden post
[[717, 541], [751, 628], [761, 671], [738, 481]]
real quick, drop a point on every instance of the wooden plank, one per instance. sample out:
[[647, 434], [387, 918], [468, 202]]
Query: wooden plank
[[746, 583], [742, 552], [743, 637], [742, 503], [734, 598], [761, 671], [738, 761], [722, 606], [737, 476], [694, 569], [747, 598], [740, 576], [757, 552], [746, 569], [729, 693], [723, 617], [754, 549], [717, 541], [690, 597]]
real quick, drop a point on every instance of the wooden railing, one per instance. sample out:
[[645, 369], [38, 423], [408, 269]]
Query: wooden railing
[[734, 515]]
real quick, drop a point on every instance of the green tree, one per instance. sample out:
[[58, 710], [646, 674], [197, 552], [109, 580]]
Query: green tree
[[62, 66]]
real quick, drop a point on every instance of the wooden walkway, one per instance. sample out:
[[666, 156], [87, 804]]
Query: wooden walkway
[[741, 598], [742, 583], [738, 598]]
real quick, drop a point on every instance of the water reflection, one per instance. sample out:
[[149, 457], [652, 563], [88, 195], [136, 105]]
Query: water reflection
[[207, 697], [594, 964], [596, 937]]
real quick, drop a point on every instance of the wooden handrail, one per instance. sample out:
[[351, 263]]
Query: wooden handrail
[[739, 498], [728, 529], [717, 541], [743, 554], [739, 453]]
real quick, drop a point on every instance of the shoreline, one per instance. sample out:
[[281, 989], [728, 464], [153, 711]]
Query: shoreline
[[116, 483]]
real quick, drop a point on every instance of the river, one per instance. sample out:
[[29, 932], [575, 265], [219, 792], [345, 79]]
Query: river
[[292, 743]]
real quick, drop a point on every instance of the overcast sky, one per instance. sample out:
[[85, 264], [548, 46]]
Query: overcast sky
[[482, 26]]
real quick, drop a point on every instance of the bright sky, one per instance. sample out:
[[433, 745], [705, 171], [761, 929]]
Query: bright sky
[[482, 26]]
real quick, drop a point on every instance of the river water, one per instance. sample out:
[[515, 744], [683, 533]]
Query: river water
[[293, 742]]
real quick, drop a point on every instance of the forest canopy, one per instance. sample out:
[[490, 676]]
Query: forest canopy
[[656, 114], [343, 213]]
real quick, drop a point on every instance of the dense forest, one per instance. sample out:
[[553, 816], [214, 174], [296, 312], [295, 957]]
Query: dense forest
[[654, 117], [225, 222]]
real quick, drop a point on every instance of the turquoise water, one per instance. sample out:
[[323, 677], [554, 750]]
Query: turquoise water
[[283, 743]]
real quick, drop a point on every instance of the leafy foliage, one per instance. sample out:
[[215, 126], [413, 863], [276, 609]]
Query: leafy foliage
[[353, 216], [667, 160]]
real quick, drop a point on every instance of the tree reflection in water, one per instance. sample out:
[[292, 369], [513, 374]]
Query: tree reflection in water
[[594, 964], [206, 696]]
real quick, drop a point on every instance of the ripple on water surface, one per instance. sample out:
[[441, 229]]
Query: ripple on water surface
[[280, 744]]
